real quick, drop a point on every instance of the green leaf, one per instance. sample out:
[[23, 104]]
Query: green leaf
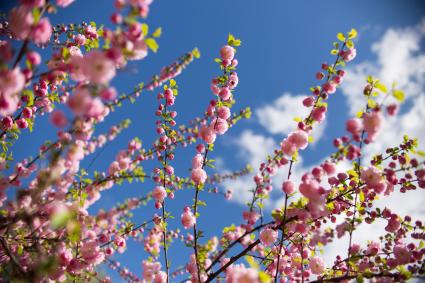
[[340, 36], [362, 198], [264, 277], [232, 41], [157, 32], [152, 44], [145, 29], [381, 87], [352, 34], [399, 95], [371, 103]]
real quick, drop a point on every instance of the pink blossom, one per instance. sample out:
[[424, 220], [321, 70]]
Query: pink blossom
[[20, 22], [329, 87], [288, 187], [373, 179], [227, 52], [64, 3], [197, 161], [225, 93], [223, 112], [42, 32], [317, 265], [373, 248], [319, 113], [34, 58], [268, 236], [287, 147], [349, 54], [393, 224], [251, 216], [199, 176], [402, 254], [354, 126], [238, 273], [108, 93], [220, 126], [98, 68], [372, 123], [187, 218], [299, 139], [159, 193], [207, 134], [91, 253]]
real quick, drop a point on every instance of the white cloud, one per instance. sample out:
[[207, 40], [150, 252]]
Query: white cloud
[[278, 117]]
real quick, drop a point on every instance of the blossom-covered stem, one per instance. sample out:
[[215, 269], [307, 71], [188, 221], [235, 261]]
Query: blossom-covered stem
[[11, 256], [223, 252], [232, 260], [283, 224], [27, 40], [302, 259], [348, 277], [195, 235], [164, 231], [353, 219]]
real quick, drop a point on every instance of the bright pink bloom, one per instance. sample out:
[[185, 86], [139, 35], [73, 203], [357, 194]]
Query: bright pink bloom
[[393, 224], [58, 119], [207, 134], [108, 93], [373, 248], [317, 265], [227, 52], [20, 22], [220, 126], [354, 126], [299, 139], [34, 58], [288, 187], [42, 32], [402, 254], [268, 236], [372, 123], [199, 176], [223, 112], [287, 147], [98, 68], [159, 193], [187, 218], [197, 161], [349, 55]]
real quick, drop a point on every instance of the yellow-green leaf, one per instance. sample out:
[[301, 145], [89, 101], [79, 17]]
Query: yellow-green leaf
[[264, 277], [145, 29], [157, 32], [381, 87], [251, 261], [371, 103], [340, 36], [172, 83], [152, 44], [361, 196], [352, 34], [399, 95], [196, 53]]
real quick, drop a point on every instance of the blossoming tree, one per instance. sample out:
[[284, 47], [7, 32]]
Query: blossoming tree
[[47, 234]]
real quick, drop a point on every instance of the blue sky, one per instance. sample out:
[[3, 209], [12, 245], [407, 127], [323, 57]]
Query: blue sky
[[283, 45]]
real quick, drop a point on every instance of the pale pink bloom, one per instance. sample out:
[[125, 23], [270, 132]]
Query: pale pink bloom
[[354, 126], [64, 3], [317, 265], [108, 93], [393, 224], [159, 193], [373, 248], [76, 64], [160, 277], [311, 189], [139, 51], [288, 187], [34, 58], [75, 51], [287, 147], [268, 236], [98, 68], [91, 253], [329, 87], [299, 139], [238, 273], [197, 161], [225, 93], [373, 179], [80, 101], [402, 254], [372, 123], [227, 52], [20, 22], [199, 176], [223, 112], [187, 218], [207, 134], [42, 32], [150, 269], [251, 216], [349, 55], [220, 126]]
